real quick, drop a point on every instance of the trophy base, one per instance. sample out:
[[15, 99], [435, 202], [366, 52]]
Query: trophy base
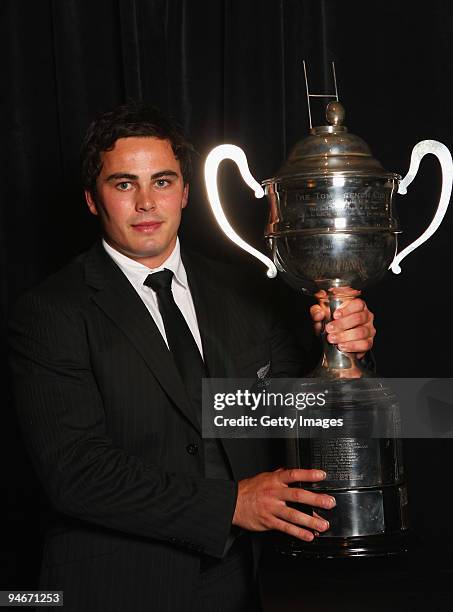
[[383, 545]]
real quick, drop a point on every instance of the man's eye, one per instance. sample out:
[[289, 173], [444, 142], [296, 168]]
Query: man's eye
[[162, 182], [124, 186]]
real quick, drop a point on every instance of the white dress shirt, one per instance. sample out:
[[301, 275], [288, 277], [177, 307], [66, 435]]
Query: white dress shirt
[[136, 274]]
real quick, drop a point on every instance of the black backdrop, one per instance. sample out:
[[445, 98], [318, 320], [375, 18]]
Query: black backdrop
[[230, 71]]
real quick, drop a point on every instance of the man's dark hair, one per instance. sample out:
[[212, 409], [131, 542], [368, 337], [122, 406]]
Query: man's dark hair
[[131, 119]]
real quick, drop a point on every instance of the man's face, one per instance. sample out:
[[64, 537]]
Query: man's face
[[140, 196]]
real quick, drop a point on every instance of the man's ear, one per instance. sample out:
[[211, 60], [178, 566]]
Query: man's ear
[[90, 202], [185, 195]]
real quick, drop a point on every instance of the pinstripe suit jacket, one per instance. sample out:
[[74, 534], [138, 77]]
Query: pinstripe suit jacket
[[114, 439]]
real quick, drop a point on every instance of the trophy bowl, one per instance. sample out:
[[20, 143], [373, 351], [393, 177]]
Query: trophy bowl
[[337, 231]]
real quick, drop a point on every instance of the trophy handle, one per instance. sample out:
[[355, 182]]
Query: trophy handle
[[213, 160], [444, 156]]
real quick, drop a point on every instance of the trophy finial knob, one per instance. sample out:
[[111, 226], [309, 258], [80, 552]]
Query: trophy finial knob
[[335, 113]]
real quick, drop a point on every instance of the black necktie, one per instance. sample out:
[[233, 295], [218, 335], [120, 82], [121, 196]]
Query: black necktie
[[190, 365], [180, 339]]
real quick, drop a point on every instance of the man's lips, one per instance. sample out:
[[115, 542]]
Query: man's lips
[[146, 226]]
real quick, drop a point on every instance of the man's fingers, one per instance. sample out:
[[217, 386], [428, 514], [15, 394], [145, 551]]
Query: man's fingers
[[352, 335], [316, 312], [292, 530], [300, 475], [352, 326], [291, 515], [321, 294], [350, 307], [302, 496], [352, 321]]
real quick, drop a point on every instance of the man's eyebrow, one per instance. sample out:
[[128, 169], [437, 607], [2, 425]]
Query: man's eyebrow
[[133, 177], [121, 175], [164, 173]]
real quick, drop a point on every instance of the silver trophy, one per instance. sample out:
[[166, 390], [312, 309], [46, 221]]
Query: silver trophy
[[333, 231]]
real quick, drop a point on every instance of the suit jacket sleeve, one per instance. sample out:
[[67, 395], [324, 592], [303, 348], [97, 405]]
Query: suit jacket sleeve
[[62, 416]]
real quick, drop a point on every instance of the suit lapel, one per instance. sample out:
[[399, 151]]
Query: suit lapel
[[213, 313], [212, 316], [120, 302]]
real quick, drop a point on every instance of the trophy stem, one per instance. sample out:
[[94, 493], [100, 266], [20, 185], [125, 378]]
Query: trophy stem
[[335, 363]]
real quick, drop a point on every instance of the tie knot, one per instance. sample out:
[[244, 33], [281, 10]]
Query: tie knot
[[159, 280]]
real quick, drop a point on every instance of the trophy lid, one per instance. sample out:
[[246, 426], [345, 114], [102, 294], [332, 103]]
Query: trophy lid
[[330, 149]]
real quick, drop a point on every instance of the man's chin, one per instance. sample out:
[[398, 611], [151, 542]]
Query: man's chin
[[150, 255]]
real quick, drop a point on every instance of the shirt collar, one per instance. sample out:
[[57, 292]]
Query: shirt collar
[[138, 271]]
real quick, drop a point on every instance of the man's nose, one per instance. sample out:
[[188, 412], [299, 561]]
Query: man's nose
[[145, 200]]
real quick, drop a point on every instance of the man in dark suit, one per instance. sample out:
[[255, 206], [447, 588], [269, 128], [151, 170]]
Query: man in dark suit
[[149, 515]]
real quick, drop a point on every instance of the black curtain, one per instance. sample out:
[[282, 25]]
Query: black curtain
[[229, 71]]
